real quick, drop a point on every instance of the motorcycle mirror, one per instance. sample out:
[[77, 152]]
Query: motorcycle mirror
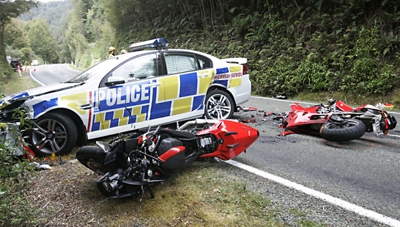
[[331, 101]]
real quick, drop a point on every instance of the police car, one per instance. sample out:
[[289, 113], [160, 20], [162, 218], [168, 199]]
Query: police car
[[131, 91]]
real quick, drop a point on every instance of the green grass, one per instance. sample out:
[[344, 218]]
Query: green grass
[[17, 83], [197, 196]]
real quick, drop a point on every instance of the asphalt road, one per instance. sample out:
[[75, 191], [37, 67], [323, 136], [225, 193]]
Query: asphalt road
[[54, 73], [364, 172]]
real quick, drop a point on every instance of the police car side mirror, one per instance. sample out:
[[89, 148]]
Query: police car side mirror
[[115, 80]]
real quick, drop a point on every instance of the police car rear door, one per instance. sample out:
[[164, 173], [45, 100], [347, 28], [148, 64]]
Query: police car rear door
[[188, 76]]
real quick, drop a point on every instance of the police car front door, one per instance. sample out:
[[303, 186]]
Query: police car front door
[[126, 105]]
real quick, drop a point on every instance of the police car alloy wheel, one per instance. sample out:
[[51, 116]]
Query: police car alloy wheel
[[219, 105], [53, 133]]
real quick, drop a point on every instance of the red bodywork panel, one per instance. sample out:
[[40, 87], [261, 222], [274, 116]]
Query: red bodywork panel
[[303, 116], [171, 152], [236, 138], [344, 107]]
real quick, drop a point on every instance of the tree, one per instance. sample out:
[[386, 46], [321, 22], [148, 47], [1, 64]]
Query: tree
[[15, 36], [42, 41], [11, 9]]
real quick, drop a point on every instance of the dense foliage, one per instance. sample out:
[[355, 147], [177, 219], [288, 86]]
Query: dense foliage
[[54, 13], [15, 176], [292, 46]]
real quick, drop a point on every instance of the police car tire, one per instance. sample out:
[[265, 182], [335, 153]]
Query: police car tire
[[219, 95], [62, 122]]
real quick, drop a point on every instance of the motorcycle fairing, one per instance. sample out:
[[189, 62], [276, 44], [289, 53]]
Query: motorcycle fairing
[[344, 107], [303, 120], [233, 138], [171, 152]]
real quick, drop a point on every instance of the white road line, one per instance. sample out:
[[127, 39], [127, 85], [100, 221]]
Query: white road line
[[30, 74], [330, 199]]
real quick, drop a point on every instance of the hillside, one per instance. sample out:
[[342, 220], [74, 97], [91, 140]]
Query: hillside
[[55, 13]]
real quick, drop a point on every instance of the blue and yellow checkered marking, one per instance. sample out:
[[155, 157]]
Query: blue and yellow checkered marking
[[229, 77], [188, 85], [177, 94], [120, 117]]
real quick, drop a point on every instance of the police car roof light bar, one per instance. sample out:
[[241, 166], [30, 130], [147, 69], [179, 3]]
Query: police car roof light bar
[[159, 43]]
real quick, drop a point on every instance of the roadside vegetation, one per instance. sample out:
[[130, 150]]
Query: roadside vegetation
[[15, 173]]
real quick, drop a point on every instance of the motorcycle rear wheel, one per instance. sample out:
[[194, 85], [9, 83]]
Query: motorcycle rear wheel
[[92, 157], [348, 129]]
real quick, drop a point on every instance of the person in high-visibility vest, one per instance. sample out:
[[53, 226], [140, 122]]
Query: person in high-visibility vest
[[111, 52]]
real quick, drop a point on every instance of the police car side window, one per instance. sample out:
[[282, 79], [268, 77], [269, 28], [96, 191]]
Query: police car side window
[[204, 63], [138, 68], [178, 63]]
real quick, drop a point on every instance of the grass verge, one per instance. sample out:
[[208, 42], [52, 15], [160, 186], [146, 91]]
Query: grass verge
[[18, 83], [353, 100], [197, 196]]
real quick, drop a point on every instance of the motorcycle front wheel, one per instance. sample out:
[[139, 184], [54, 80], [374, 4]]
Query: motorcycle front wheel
[[92, 157], [344, 130]]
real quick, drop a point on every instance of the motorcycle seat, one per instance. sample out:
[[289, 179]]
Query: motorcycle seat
[[179, 134]]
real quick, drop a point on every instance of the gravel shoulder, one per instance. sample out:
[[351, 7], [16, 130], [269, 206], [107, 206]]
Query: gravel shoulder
[[66, 195]]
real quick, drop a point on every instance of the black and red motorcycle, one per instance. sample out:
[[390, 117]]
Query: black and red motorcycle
[[132, 165]]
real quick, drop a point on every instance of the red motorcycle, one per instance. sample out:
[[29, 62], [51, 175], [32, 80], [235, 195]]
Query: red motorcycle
[[337, 121], [129, 166]]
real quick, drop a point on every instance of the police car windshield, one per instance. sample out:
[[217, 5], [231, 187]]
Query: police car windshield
[[96, 72]]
